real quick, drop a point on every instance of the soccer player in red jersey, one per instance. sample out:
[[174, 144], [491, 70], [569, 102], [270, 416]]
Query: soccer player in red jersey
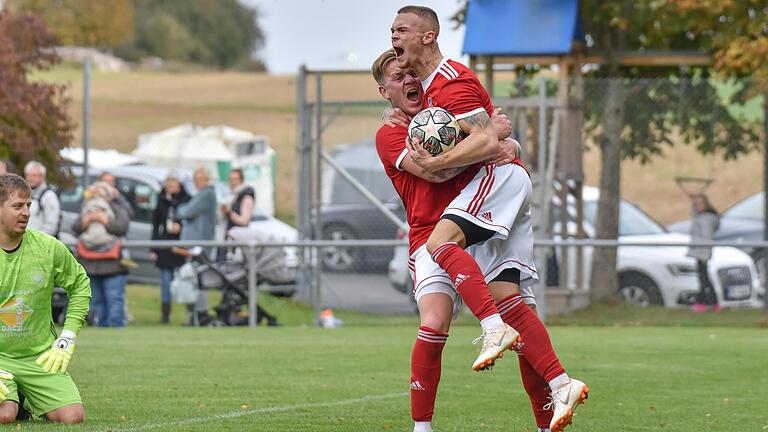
[[495, 204]]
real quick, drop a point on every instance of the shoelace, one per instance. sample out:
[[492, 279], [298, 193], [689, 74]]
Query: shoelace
[[485, 337], [549, 405]]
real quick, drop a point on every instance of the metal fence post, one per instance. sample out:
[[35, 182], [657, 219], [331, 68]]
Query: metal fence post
[[541, 259], [252, 290]]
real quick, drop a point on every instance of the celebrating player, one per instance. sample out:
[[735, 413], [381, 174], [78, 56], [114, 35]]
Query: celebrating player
[[495, 204], [32, 358]]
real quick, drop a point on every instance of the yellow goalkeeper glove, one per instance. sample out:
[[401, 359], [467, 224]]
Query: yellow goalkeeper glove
[[4, 375], [56, 359]]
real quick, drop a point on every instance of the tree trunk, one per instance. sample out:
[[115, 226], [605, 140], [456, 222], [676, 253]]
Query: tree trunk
[[605, 281]]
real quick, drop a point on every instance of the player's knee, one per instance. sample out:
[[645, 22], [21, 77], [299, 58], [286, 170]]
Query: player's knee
[[436, 322], [7, 417], [71, 415]]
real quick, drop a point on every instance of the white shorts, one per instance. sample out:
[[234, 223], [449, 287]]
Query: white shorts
[[498, 198], [493, 256]]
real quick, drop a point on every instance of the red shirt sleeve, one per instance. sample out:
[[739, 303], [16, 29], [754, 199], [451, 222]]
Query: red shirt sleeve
[[390, 144]]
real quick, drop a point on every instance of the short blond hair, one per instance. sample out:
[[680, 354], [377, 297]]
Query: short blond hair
[[381, 62]]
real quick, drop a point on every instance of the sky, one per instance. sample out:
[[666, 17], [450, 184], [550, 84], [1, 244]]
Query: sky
[[339, 34]]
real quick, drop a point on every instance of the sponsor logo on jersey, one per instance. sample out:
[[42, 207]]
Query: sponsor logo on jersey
[[459, 279], [13, 314], [416, 385]]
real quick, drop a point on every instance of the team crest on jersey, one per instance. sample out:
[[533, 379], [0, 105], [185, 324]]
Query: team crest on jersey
[[429, 102]]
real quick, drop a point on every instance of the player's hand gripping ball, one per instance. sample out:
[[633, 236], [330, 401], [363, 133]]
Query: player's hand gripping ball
[[4, 375], [437, 129]]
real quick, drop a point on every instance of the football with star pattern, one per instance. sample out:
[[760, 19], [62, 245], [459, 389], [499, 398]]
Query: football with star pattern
[[437, 128]]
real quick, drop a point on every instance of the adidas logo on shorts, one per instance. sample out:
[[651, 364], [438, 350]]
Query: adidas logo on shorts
[[487, 216]]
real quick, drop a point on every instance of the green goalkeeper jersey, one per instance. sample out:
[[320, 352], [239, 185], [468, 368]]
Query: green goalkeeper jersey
[[27, 277]]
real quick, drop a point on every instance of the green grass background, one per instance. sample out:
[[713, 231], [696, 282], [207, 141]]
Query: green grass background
[[649, 370]]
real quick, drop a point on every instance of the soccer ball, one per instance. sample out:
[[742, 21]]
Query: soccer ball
[[437, 128]]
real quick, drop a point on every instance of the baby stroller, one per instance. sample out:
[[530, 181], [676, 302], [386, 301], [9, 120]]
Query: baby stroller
[[231, 277]]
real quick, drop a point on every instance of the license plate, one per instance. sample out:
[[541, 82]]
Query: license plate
[[736, 292]]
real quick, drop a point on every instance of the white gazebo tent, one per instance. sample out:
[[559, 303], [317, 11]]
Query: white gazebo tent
[[218, 148]]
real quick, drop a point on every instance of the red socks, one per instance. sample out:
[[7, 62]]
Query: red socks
[[538, 392], [537, 347], [467, 278], [425, 372]]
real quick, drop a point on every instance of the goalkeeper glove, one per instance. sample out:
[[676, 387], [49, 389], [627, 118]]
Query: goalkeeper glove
[[56, 359], [4, 375]]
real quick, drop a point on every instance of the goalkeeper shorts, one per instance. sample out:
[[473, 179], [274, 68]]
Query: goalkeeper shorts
[[43, 392]]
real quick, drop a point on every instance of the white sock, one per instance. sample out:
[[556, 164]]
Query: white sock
[[543, 430], [492, 321], [422, 427], [558, 382]]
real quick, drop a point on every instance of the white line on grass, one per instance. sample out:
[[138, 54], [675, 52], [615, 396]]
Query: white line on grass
[[265, 410]]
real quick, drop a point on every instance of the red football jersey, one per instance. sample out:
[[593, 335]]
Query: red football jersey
[[424, 201], [456, 88]]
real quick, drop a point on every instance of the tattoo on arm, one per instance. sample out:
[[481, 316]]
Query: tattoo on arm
[[444, 174], [480, 119]]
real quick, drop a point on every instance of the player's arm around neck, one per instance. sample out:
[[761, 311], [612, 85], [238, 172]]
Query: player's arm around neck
[[481, 143]]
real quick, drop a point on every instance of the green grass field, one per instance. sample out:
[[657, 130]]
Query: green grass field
[[301, 378]]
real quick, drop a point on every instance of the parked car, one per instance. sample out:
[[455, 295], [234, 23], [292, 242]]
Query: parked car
[[648, 275], [141, 185], [345, 214], [745, 220]]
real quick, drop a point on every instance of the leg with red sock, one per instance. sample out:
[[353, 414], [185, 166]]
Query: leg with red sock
[[538, 392], [470, 284], [566, 393], [426, 360]]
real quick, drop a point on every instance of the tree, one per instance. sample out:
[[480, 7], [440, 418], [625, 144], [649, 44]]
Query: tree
[[214, 32], [33, 116], [101, 24], [727, 28]]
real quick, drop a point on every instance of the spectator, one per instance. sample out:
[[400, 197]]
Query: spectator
[[45, 212], [165, 226], [198, 217], [704, 223], [237, 212], [126, 260], [107, 274]]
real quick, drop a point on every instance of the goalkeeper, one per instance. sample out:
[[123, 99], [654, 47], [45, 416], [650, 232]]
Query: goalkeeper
[[33, 360]]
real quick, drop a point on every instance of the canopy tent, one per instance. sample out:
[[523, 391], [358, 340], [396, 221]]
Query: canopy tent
[[219, 149], [99, 158]]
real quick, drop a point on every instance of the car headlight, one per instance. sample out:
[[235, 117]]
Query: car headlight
[[682, 269]]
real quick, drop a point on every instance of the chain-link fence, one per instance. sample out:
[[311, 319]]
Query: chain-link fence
[[673, 137]]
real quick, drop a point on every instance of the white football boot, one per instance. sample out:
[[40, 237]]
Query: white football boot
[[495, 342], [564, 401]]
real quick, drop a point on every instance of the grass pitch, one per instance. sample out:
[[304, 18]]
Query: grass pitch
[[301, 378]]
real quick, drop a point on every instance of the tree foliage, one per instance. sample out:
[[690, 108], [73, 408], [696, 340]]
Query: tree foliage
[[214, 32], [101, 24], [33, 116]]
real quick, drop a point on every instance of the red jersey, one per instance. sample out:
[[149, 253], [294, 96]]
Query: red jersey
[[455, 87], [424, 201]]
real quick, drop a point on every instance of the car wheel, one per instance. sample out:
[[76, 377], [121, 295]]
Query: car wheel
[[639, 290], [339, 258]]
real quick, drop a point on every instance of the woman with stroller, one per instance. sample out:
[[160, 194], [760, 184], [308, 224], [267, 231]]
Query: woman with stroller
[[166, 226]]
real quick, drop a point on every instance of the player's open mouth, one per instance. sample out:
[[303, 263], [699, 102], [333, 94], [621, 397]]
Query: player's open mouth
[[399, 51], [412, 95]]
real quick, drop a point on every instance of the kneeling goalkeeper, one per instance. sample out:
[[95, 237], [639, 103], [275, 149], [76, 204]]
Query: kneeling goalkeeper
[[33, 361]]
